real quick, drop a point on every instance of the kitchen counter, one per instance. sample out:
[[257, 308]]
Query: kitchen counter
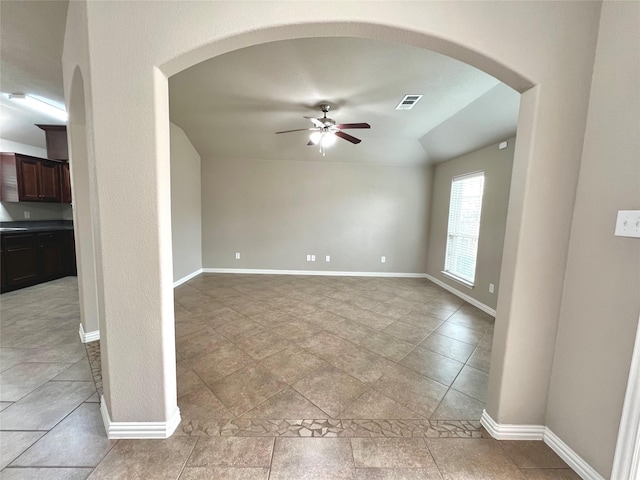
[[35, 226]]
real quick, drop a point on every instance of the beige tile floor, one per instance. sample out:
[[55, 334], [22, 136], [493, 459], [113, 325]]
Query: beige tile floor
[[394, 369]]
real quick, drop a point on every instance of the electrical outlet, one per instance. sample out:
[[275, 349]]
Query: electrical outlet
[[628, 223], [313, 258], [492, 288], [308, 258], [383, 259], [237, 255], [327, 258], [27, 214]]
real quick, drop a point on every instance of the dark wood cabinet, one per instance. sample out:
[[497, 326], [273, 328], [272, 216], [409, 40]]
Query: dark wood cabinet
[[27, 187], [50, 182], [32, 258], [65, 183], [70, 253], [29, 179], [20, 260], [56, 136], [51, 262]]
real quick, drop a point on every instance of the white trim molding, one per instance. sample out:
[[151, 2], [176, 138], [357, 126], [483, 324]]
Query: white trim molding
[[626, 461], [540, 432], [86, 337], [138, 430], [511, 432], [464, 296], [186, 278], [327, 273]]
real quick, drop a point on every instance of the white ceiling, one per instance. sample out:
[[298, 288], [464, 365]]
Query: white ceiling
[[31, 41], [230, 106]]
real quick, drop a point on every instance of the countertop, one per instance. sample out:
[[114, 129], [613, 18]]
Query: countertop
[[35, 226]]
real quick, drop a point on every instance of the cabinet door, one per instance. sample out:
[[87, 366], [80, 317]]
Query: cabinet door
[[28, 180], [70, 254], [65, 183], [49, 182], [3, 279], [51, 255], [20, 260]]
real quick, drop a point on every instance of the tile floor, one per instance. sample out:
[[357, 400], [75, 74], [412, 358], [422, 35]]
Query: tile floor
[[394, 369]]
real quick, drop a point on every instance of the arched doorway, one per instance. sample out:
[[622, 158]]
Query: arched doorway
[[141, 313], [83, 185]]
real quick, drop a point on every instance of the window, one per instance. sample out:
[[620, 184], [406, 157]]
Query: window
[[465, 207]]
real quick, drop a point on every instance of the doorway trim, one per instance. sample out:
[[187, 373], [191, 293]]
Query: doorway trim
[[626, 462]]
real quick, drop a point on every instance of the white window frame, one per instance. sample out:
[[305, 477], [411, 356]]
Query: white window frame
[[455, 231]]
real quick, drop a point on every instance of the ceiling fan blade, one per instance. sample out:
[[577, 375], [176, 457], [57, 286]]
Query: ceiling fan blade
[[315, 121], [297, 130], [347, 137], [353, 125]]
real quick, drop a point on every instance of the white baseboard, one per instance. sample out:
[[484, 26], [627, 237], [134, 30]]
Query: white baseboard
[[187, 278], [327, 273], [86, 337], [511, 432], [540, 432], [464, 296], [139, 430]]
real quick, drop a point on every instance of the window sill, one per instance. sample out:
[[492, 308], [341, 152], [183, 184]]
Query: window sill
[[458, 279]]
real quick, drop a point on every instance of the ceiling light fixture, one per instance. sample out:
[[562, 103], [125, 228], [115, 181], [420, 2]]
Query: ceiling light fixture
[[45, 106], [323, 138]]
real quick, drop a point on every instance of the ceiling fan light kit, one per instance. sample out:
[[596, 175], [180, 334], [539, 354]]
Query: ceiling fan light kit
[[325, 131]]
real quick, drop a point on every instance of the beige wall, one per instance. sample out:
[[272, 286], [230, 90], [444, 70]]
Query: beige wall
[[276, 212], [496, 165], [186, 217], [601, 299]]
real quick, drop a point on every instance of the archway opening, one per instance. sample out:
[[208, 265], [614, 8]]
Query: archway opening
[[193, 299]]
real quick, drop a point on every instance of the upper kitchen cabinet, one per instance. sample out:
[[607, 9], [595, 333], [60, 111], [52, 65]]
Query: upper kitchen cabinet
[[65, 183], [56, 136], [57, 149], [29, 179]]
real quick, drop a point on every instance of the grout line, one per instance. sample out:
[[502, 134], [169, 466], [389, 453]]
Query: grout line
[[186, 460], [273, 451]]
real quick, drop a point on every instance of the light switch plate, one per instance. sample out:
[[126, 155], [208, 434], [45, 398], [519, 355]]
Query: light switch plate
[[628, 223], [383, 259], [237, 255], [328, 258]]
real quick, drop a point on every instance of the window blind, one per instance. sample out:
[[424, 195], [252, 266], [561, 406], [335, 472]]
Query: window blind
[[465, 207]]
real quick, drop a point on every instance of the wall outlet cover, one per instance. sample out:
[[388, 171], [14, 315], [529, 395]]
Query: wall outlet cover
[[628, 223]]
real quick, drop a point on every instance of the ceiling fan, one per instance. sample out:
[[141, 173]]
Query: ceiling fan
[[325, 130]]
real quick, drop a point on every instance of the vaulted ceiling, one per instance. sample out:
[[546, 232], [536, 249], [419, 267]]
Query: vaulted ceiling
[[231, 106]]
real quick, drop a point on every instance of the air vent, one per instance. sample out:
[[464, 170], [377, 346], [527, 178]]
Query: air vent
[[408, 102]]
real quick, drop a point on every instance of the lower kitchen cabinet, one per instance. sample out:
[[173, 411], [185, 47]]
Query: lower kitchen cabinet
[[19, 260], [32, 258], [51, 252]]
